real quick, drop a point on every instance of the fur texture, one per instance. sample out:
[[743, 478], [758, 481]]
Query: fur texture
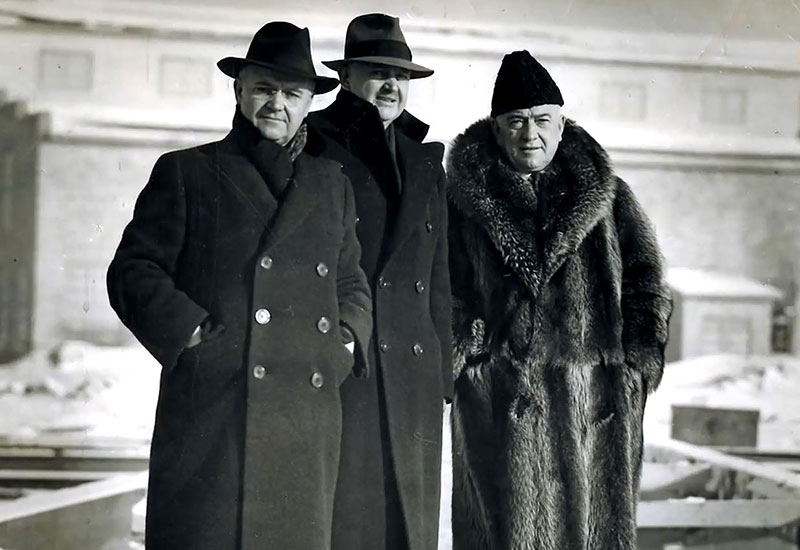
[[560, 322]]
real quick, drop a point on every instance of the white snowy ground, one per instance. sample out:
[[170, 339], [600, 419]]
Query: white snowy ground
[[85, 390], [770, 384], [98, 391]]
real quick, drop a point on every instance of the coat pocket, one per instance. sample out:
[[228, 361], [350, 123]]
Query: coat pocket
[[342, 362]]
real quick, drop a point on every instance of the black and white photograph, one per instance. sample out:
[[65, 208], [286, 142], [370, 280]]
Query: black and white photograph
[[415, 275]]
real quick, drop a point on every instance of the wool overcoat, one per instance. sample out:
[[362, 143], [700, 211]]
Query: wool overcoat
[[245, 449], [389, 476], [560, 321]]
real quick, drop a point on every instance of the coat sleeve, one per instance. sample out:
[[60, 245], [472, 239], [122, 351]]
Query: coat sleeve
[[140, 280], [646, 299], [468, 326], [355, 299], [441, 296]]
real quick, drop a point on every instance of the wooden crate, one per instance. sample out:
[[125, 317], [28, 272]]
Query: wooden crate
[[715, 426]]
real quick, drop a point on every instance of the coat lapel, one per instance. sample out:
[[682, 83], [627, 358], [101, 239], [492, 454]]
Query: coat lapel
[[236, 171], [299, 200], [415, 169], [578, 193]]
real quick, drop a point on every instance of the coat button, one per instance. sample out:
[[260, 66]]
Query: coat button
[[384, 346], [420, 288], [322, 269], [259, 371], [266, 262], [417, 349], [324, 325], [263, 316], [428, 227], [383, 283], [358, 219], [317, 380]]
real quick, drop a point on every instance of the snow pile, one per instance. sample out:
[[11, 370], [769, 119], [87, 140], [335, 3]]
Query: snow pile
[[79, 387], [769, 384]]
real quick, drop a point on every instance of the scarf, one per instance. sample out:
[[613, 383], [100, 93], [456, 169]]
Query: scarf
[[275, 163]]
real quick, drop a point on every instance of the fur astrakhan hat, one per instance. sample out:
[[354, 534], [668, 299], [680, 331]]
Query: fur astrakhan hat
[[522, 83]]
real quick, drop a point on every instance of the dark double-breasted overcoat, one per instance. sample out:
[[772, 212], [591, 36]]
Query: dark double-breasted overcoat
[[389, 477], [246, 443]]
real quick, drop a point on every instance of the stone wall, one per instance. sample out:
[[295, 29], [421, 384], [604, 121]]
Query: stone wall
[[704, 130]]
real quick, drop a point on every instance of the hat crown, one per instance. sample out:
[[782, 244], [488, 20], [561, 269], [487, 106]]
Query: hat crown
[[284, 48], [282, 44], [376, 34], [522, 82], [374, 26], [377, 38]]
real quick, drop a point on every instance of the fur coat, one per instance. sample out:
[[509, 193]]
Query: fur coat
[[560, 322]]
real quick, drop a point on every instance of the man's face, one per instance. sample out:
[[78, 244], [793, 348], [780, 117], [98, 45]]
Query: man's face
[[274, 103], [529, 137], [383, 86]]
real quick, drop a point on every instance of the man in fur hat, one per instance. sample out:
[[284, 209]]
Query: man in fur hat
[[240, 273], [560, 321], [387, 494]]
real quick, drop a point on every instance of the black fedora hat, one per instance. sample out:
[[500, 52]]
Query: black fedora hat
[[377, 38], [284, 48]]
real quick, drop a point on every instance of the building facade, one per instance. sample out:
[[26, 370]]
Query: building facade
[[704, 129]]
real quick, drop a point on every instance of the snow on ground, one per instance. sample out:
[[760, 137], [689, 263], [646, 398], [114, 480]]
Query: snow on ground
[[769, 384], [112, 392], [80, 388]]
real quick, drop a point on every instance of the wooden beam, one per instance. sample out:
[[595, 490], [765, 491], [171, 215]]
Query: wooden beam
[[715, 539], [675, 480], [92, 515], [51, 479], [782, 478], [718, 514]]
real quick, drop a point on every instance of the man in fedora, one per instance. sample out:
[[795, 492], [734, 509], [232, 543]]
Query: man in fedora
[[240, 273], [387, 495]]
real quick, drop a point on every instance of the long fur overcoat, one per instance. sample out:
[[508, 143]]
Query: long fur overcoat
[[560, 321]]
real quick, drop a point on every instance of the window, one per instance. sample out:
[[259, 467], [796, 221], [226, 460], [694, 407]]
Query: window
[[65, 70], [185, 77], [623, 101], [723, 106]]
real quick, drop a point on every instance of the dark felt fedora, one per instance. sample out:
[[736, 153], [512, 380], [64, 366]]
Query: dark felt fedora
[[377, 38], [284, 48]]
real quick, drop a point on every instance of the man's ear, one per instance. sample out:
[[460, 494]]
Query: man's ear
[[495, 128], [344, 78], [561, 122], [237, 90]]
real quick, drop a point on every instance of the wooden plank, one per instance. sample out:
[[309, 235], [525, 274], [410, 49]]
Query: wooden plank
[[763, 488], [715, 539], [79, 440], [92, 462], [51, 479], [675, 480], [756, 453], [92, 515], [69, 475], [718, 514], [782, 478]]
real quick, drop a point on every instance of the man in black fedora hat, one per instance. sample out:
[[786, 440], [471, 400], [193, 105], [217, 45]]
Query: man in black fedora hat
[[392, 421], [240, 273]]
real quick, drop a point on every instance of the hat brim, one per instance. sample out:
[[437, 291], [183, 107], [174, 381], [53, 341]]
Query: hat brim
[[416, 71], [232, 65]]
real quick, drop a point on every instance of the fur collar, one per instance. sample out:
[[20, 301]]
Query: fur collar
[[573, 194]]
